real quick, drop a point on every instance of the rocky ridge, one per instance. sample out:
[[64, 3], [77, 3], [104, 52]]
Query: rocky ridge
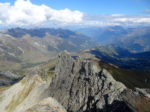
[[81, 85], [78, 83], [29, 95]]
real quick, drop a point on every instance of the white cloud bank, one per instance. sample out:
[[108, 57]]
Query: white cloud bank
[[23, 13], [117, 19]]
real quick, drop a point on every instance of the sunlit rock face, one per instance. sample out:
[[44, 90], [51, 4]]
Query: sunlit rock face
[[81, 85]]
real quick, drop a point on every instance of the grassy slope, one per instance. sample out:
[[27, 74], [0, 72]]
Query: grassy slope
[[131, 78]]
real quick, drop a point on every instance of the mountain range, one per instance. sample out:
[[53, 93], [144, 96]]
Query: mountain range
[[60, 70], [135, 39], [123, 58], [23, 48]]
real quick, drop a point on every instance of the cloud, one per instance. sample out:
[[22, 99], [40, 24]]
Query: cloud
[[24, 13], [118, 19], [136, 19]]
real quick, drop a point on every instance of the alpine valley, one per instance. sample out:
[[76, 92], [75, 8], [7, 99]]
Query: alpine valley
[[92, 69]]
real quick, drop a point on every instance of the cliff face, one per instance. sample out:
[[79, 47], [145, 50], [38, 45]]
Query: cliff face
[[82, 85], [79, 84]]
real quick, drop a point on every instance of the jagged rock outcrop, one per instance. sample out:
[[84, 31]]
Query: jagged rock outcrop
[[79, 84], [82, 85], [29, 95]]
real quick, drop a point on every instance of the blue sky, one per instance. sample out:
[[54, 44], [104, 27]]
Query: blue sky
[[128, 7], [60, 13]]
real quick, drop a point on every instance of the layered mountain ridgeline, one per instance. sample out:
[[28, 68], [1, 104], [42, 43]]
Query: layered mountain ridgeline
[[105, 35], [135, 39], [79, 83], [123, 58], [24, 48]]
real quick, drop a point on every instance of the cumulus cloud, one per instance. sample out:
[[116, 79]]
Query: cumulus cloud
[[24, 13]]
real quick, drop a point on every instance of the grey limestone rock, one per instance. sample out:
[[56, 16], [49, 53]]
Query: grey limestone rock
[[82, 85]]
